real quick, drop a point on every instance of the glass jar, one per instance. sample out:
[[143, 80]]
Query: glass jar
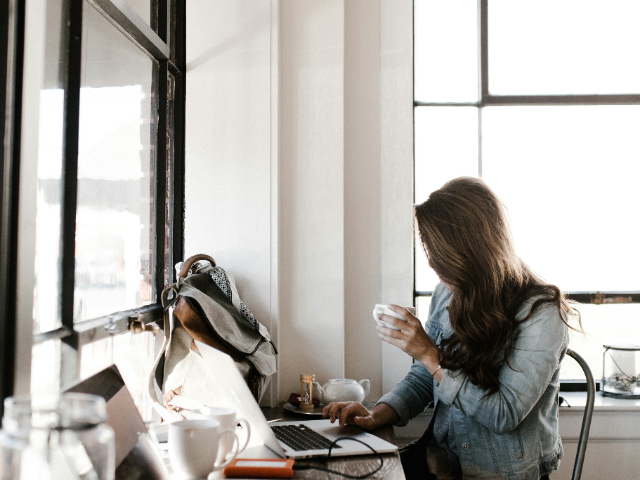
[[69, 430], [20, 461], [620, 371], [10, 455]]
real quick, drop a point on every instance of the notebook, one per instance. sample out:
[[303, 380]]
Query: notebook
[[277, 436]]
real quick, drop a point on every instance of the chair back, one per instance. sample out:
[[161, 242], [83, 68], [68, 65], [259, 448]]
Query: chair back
[[586, 419]]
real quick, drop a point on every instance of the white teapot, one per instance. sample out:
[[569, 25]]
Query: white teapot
[[342, 390]]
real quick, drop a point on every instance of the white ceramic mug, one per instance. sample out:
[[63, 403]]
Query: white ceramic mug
[[194, 444], [228, 421]]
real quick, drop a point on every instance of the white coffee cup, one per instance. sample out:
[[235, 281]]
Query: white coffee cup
[[193, 447], [385, 310], [228, 421]]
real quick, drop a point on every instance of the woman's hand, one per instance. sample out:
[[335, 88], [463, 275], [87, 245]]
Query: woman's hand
[[411, 339], [354, 413], [350, 413]]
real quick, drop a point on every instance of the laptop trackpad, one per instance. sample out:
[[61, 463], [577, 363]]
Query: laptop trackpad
[[336, 431]]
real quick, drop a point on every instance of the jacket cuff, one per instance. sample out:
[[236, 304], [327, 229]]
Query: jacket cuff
[[449, 387], [399, 405]]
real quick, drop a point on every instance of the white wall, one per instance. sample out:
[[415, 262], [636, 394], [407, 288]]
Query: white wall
[[228, 144], [362, 184], [294, 178], [396, 153], [312, 240]]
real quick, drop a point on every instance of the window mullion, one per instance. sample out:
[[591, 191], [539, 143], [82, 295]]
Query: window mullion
[[483, 74], [177, 32], [12, 50], [177, 165], [603, 99], [480, 141], [69, 354], [483, 51], [162, 21], [160, 176]]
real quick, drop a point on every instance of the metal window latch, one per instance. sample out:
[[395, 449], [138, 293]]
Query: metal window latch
[[137, 326], [600, 298], [112, 327]]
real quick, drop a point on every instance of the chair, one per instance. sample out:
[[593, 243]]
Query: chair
[[588, 413]]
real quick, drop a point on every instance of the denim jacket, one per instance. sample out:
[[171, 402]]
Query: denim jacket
[[511, 434]]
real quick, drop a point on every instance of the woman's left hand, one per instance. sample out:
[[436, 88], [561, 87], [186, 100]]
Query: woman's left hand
[[411, 338]]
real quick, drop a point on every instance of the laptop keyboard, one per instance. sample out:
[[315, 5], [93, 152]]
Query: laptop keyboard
[[301, 437]]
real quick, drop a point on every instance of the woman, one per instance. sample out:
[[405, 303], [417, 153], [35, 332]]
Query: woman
[[490, 357]]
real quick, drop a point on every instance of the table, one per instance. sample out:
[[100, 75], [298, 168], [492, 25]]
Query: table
[[357, 465]]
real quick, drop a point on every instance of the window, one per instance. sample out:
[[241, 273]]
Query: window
[[108, 216], [543, 102]]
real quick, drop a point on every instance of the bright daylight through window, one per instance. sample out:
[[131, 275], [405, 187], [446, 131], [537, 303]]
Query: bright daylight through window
[[542, 100], [123, 173]]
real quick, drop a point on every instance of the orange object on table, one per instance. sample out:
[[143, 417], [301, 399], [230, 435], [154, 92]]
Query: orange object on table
[[260, 468]]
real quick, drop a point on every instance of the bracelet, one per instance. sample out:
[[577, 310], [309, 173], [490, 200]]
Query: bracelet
[[434, 372]]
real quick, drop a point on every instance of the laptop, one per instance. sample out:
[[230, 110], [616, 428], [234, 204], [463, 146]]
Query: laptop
[[136, 455], [291, 439]]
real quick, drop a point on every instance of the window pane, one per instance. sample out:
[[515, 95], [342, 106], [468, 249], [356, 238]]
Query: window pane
[[422, 308], [568, 47], [446, 51], [604, 325], [45, 368], [114, 237], [142, 8], [134, 357], [569, 177], [446, 142], [45, 295]]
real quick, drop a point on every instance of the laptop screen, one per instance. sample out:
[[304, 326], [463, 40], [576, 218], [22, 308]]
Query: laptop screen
[[136, 456], [124, 417]]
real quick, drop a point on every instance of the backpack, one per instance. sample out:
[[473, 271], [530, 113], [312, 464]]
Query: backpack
[[205, 307]]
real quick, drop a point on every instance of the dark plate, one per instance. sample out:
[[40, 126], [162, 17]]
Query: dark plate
[[316, 412]]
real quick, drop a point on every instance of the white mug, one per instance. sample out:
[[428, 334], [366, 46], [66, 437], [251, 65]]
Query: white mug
[[228, 421], [193, 447]]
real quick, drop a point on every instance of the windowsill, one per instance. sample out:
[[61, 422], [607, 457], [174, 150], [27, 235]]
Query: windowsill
[[579, 399], [601, 403], [614, 420]]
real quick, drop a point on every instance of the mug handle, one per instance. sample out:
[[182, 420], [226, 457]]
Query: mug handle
[[245, 426], [236, 443]]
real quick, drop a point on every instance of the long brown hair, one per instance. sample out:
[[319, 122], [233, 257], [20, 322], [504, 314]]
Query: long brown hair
[[465, 234]]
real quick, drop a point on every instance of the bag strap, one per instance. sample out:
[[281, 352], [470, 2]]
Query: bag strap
[[184, 271], [153, 388]]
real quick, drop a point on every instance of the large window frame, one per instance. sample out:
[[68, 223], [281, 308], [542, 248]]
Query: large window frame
[[487, 99], [164, 42]]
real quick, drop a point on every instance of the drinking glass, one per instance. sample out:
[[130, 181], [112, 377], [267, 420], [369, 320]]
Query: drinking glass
[[69, 430], [20, 461]]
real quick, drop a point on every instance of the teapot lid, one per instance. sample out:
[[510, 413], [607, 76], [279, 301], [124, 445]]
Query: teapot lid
[[342, 380]]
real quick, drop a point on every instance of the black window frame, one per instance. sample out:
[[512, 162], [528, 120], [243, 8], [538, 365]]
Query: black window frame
[[163, 41], [12, 21], [487, 99]]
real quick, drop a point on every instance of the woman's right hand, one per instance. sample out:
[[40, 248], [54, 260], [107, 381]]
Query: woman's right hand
[[350, 413]]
